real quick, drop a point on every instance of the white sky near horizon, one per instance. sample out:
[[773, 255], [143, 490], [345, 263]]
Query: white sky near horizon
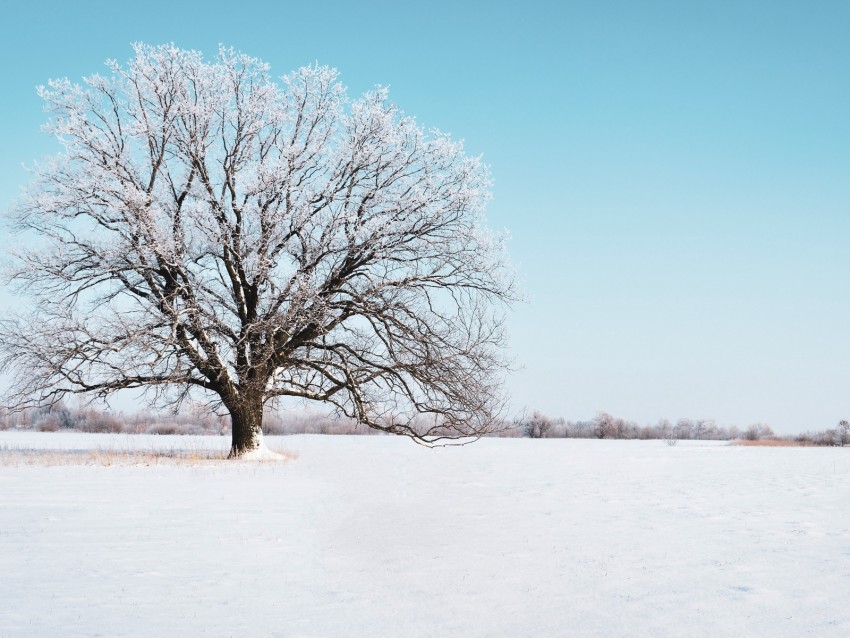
[[675, 176]]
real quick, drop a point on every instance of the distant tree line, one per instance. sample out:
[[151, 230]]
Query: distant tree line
[[197, 419], [605, 426], [192, 419]]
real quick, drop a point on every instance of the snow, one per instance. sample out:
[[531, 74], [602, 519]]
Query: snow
[[262, 453], [376, 536]]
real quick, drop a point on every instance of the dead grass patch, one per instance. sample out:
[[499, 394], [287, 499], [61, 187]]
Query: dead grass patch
[[49, 458]]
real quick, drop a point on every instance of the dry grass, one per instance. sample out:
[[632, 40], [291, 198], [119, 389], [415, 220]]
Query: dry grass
[[774, 443], [49, 458]]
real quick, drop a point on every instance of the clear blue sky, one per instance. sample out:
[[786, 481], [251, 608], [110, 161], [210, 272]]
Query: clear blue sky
[[675, 175]]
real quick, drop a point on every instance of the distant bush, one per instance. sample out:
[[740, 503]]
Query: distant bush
[[758, 432], [537, 426], [838, 436], [162, 428], [49, 423]]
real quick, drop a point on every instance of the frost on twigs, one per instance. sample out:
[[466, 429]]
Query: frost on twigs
[[208, 228]]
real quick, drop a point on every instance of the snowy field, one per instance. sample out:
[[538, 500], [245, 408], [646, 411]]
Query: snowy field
[[375, 536]]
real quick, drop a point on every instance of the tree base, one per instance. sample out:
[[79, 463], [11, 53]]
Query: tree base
[[259, 453]]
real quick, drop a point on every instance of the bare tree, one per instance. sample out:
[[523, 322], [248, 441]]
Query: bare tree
[[606, 426], [842, 433], [758, 432], [537, 426], [209, 227]]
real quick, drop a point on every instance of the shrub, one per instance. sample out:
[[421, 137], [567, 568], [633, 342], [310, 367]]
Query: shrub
[[48, 423], [758, 432], [537, 426]]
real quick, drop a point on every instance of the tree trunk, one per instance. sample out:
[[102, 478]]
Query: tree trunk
[[246, 425]]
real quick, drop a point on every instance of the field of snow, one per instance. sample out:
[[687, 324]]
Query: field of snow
[[375, 536]]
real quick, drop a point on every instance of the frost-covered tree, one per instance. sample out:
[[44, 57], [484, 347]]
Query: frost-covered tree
[[210, 227], [537, 426]]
